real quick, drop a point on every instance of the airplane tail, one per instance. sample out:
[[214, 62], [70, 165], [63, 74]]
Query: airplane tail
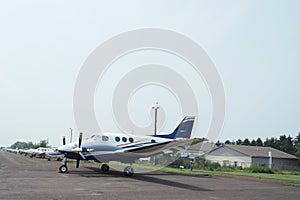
[[183, 130]]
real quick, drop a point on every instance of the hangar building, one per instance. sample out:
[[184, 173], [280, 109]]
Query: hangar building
[[246, 156]]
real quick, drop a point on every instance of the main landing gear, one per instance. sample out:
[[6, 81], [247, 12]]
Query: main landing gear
[[105, 168], [128, 171]]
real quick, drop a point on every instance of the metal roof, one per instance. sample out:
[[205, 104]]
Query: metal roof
[[203, 146], [258, 151]]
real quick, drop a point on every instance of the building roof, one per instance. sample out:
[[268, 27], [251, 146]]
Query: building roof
[[258, 151], [203, 146]]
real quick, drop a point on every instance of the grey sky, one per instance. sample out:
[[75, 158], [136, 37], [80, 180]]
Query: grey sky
[[254, 44]]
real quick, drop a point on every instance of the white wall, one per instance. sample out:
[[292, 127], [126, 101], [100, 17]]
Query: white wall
[[241, 161]]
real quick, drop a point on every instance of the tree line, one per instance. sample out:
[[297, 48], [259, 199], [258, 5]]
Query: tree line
[[283, 143], [29, 145]]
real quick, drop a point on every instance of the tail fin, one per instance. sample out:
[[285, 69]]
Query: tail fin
[[183, 130]]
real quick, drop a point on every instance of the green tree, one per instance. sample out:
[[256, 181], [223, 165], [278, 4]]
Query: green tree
[[239, 142], [297, 139], [19, 145], [218, 143], [253, 143], [42, 143], [272, 142], [259, 142], [246, 142], [30, 145], [227, 142], [297, 150], [286, 144], [297, 145]]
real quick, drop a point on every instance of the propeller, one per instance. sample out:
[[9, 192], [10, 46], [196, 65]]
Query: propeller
[[64, 140], [80, 140], [79, 146]]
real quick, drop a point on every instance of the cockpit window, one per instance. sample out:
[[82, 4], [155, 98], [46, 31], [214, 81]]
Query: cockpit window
[[105, 138]]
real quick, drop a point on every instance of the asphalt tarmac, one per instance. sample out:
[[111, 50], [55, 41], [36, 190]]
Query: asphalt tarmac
[[30, 178]]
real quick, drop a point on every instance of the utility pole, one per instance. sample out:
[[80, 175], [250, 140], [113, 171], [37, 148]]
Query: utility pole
[[156, 107], [71, 134]]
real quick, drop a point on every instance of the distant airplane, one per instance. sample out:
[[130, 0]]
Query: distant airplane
[[125, 148], [54, 154], [39, 152]]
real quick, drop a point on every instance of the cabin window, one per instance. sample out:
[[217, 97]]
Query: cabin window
[[124, 139], [130, 139], [117, 139], [104, 138]]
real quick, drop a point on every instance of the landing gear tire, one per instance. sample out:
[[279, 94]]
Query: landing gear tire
[[128, 171], [105, 168], [63, 169]]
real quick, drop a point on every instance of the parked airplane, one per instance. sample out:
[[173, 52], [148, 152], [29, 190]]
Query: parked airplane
[[125, 148], [38, 152], [54, 155]]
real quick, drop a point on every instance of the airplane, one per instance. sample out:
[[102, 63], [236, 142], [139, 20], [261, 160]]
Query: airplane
[[39, 152], [54, 154], [105, 147]]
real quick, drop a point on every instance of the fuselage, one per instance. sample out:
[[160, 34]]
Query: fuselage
[[104, 147]]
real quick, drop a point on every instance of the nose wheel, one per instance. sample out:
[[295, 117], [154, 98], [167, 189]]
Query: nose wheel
[[63, 168]]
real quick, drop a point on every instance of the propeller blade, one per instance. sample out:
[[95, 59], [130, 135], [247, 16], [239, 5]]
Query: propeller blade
[[80, 140], [64, 140], [79, 146], [77, 163]]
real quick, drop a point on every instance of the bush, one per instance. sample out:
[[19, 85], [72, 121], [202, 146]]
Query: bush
[[181, 162], [261, 169], [211, 165], [199, 162]]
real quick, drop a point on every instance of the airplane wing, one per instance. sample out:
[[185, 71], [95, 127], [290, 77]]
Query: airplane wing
[[166, 147]]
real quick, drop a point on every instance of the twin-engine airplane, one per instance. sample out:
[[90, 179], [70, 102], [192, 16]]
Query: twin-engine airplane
[[125, 148]]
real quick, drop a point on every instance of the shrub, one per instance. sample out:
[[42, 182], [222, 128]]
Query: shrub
[[212, 165], [261, 169]]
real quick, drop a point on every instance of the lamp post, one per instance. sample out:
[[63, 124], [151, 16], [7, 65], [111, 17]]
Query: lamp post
[[71, 134], [156, 107]]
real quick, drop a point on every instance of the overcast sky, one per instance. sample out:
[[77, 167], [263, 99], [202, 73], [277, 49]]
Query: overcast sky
[[255, 46]]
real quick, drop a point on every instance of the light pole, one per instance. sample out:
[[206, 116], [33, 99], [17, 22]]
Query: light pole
[[156, 107], [71, 134]]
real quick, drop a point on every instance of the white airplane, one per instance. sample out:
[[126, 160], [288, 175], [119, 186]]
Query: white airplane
[[41, 152], [125, 148], [54, 154], [38, 152]]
